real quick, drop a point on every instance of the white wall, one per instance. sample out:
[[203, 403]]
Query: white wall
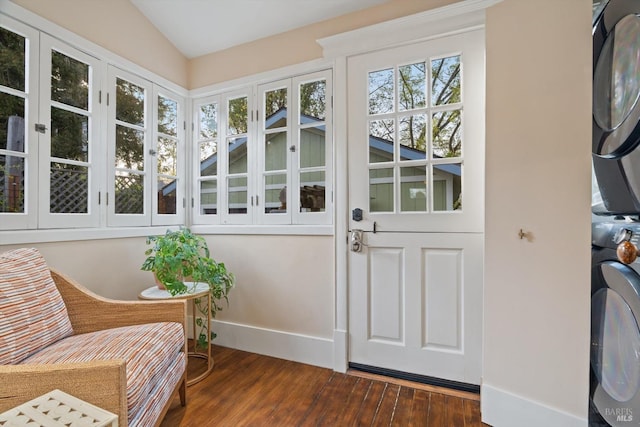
[[536, 334]]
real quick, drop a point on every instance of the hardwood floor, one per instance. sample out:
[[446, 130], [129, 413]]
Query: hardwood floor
[[246, 389]]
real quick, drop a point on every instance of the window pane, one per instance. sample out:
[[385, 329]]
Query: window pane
[[11, 123], [69, 188], [312, 101], [209, 121], [381, 88], [129, 103], [312, 147], [167, 116], [413, 189], [381, 138], [275, 193], [12, 184], [69, 81], [167, 156], [167, 196], [275, 151], [275, 109], [238, 116], [129, 148], [12, 65], [208, 158], [381, 190], [312, 192], [209, 197], [446, 134], [412, 133], [412, 86], [129, 193], [237, 195], [238, 155], [69, 135], [447, 187], [445, 80]]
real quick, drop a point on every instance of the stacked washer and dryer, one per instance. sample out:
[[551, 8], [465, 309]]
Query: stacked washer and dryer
[[615, 278]]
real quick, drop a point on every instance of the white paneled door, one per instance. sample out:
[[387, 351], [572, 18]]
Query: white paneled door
[[416, 194]]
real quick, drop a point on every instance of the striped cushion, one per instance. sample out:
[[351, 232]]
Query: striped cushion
[[149, 351], [32, 313]]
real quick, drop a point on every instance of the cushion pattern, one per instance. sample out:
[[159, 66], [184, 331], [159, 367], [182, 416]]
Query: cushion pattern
[[151, 409], [32, 312], [149, 351]]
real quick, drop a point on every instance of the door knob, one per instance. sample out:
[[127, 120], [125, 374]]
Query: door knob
[[627, 252]]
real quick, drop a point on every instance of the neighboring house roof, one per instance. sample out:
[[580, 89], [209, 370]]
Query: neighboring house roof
[[381, 144]]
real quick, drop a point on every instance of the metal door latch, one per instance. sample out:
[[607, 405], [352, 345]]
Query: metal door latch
[[356, 241]]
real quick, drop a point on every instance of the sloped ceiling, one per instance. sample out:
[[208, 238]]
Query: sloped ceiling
[[199, 27]]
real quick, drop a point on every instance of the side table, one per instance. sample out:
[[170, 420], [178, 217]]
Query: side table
[[57, 409], [194, 292]]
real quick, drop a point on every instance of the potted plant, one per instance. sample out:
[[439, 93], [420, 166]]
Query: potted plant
[[180, 257]]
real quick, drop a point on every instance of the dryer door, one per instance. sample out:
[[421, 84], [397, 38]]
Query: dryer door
[[615, 344], [616, 106]]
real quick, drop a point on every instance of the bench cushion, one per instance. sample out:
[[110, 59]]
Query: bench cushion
[[151, 352], [32, 312]]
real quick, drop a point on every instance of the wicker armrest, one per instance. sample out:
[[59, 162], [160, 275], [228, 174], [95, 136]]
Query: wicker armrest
[[101, 383], [90, 312]]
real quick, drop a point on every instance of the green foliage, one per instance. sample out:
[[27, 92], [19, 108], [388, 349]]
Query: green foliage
[[180, 256]]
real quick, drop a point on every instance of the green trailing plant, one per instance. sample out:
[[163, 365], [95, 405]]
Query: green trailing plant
[[179, 257]]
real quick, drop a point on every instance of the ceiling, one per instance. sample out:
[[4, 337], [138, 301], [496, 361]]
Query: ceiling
[[199, 27]]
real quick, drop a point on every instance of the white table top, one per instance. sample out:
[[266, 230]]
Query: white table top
[[194, 290]]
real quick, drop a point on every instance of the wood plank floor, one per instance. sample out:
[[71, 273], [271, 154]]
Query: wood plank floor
[[246, 389]]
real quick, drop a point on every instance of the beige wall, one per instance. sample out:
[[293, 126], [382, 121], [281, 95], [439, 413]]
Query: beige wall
[[284, 283], [538, 178], [118, 26], [294, 46]]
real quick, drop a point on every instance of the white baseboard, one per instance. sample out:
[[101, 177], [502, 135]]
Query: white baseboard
[[340, 353], [283, 345], [500, 408]]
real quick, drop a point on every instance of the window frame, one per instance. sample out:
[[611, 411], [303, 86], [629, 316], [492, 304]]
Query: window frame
[[95, 116]]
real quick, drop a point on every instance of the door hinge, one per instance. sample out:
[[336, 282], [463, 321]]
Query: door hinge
[[106, 197], [193, 202], [99, 197], [40, 128], [185, 125], [99, 97], [257, 200], [184, 203], [107, 99]]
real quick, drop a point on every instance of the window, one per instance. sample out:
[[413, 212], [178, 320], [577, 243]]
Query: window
[[414, 119], [271, 167], [69, 146], [145, 147], [58, 166]]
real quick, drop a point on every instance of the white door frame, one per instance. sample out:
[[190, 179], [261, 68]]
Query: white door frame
[[458, 17]]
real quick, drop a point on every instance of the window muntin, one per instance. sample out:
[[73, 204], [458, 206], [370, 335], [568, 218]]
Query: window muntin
[[415, 143]]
